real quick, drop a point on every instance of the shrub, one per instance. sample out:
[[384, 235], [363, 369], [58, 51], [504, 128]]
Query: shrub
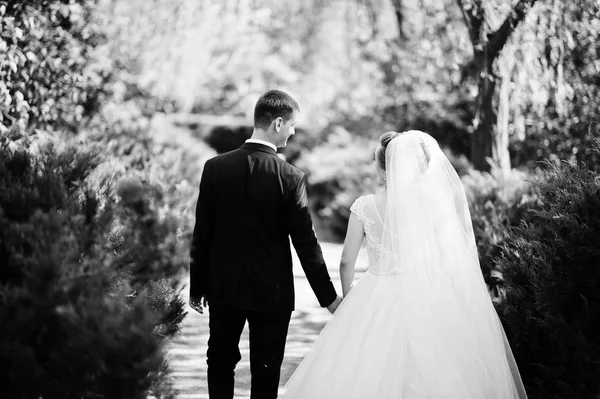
[[88, 285], [551, 266], [228, 138], [166, 158], [496, 202]]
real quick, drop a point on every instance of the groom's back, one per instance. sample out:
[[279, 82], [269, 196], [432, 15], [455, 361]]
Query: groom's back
[[250, 256]]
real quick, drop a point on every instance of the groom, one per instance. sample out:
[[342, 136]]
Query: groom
[[250, 203]]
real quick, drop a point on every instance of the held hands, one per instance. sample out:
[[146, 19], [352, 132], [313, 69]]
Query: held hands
[[198, 304], [334, 305]]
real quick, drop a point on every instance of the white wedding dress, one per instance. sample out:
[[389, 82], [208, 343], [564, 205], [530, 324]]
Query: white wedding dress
[[411, 331]]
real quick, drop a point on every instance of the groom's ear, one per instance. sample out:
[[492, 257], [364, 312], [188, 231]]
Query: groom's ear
[[278, 123]]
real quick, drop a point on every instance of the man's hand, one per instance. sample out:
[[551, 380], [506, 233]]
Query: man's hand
[[334, 305], [198, 304]]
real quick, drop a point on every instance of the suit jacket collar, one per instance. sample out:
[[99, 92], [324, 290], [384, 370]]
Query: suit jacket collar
[[258, 147], [259, 141]]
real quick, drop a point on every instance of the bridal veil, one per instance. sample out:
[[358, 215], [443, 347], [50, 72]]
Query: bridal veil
[[428, 242]]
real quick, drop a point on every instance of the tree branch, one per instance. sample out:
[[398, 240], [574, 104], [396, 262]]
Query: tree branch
[[498, 39], [473, 19], [399, 18]]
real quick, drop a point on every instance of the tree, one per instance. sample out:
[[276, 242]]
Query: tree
[[416, 47], [555, 91], [487, 141]]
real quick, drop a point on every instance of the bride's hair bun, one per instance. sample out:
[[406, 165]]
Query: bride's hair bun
[[384, 140]]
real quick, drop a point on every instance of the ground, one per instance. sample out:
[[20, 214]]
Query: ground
[[188, 350]]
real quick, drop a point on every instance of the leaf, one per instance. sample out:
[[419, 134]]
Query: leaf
[[7, 99]]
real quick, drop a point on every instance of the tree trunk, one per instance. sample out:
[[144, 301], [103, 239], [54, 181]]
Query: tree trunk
[[488, 143], [485, 119], [500, 151]]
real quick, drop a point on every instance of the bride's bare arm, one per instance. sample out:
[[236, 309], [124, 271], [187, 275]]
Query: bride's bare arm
[[352, 243]]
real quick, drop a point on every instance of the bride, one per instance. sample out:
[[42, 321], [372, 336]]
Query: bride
[[420, 323]]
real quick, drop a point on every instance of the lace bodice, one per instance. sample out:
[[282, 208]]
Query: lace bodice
[[365, 209]]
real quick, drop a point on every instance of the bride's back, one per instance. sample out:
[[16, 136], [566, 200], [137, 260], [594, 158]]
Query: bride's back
[[370, 210]]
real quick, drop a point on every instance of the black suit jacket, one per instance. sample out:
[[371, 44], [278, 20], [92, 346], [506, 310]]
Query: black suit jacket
[[250, 203]]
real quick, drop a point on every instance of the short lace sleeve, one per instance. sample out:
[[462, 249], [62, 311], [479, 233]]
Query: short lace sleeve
[[358, 208]]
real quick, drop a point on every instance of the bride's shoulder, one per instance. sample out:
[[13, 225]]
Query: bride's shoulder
[[360, 202], [361, 208]]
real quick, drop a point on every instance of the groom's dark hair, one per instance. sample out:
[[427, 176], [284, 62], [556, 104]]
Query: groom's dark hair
[[272, 105]]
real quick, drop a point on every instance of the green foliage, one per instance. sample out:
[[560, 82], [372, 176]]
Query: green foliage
[[496, 203], [89, 286], [226, 54], [166, 160], [419, 60], [551, 269], [229, 52], [88, 289], [46, 77], [555, 98], [228, 138], [376, 73]]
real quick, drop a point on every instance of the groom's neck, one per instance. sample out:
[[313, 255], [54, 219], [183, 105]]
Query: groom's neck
[[259, 134]]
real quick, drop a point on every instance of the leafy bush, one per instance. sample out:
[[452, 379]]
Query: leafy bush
[[228, 138], [88, 286], [496, 202], [165, 157], [47, 76], [551, 267]]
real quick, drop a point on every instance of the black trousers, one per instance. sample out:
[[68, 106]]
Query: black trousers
[[268, 332]]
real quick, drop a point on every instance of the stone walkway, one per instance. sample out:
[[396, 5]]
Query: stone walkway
[[188, 350]]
